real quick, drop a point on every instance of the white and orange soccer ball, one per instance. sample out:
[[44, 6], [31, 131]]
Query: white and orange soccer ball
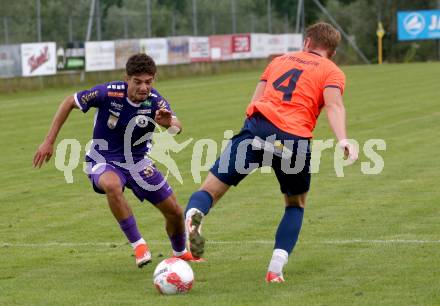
[[173, 276]]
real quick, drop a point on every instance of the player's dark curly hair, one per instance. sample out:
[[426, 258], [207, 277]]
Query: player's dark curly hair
[[140, 64]]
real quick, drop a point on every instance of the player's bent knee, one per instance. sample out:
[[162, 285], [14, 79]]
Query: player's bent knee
[[110, 184]]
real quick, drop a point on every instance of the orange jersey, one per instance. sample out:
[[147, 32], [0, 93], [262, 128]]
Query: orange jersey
[[293, 97]]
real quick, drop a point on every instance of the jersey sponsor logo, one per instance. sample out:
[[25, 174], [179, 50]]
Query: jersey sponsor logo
[[153, 95], [115, 94], [116, 105], [89, 96], [141, 121], [144, 111]]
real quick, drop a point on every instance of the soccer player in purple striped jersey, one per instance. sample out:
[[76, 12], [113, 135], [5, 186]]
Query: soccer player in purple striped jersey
[[125, 118]]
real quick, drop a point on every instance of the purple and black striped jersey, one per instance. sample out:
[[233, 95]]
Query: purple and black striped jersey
[[117, 119]]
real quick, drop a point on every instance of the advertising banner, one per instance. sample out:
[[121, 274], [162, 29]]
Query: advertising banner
[[71, 56], [221, 47], [276, 44], [241, 46], [38, 59], [157, 48], [10, 61], [178, 50], [124, 49], [294, 42], [418, 25], [259, 47], [100, 55], [199, 49]]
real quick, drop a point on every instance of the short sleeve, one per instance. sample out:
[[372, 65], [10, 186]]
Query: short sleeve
[[161, 103], [335, 79], [93, 97], [265, 75]]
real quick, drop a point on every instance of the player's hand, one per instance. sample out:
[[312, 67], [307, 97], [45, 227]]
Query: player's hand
[[350, 151], [163, 117], [43, 154]]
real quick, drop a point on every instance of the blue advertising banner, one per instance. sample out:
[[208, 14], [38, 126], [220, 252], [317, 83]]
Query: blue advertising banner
[[418, 25]]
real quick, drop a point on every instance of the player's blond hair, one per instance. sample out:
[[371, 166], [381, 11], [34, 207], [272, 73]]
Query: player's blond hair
[[323, 35]]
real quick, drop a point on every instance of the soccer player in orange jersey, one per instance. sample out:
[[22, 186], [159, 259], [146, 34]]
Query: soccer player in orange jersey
[[277, 132]]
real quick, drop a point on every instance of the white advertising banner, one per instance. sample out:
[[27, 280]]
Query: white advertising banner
[[265, 45], [38, 59], [276, 44], [294, 42], [157, 48], [124, 48], [199, 49], [100, 55], [10, 61], [259, 47], [178, 50]]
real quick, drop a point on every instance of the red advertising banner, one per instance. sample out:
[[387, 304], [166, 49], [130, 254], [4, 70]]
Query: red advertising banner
[[241, 43], [221, 47]]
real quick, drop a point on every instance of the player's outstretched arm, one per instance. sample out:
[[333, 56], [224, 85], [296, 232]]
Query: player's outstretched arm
[[45, 150], [336, 119]]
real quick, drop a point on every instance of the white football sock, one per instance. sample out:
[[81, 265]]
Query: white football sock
[[175, 253], [279, 259], [135, 244]]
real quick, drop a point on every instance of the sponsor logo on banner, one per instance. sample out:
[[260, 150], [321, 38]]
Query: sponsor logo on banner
[[414, 23], [35, 61], [178, 50], [115, 94], [87, 97], [241, 43]]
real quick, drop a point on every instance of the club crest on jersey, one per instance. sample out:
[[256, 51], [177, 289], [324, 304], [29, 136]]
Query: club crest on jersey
[[141, 121], [149, 171], [146, 103], [112, 121]]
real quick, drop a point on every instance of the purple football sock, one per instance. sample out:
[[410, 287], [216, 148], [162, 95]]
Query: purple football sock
[[178, 242], [130, 229]]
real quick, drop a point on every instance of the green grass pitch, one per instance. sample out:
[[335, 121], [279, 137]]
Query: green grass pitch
[[366, 239]]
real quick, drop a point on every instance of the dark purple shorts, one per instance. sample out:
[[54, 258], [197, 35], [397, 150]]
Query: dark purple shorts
[[148, 184]]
